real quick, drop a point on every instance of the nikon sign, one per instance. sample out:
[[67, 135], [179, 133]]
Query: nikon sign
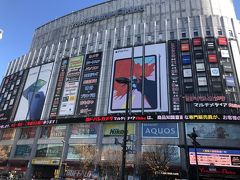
[[118, 12], [117, 129]]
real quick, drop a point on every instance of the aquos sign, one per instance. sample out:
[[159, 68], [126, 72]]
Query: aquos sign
[[118, 12], [160, 130]]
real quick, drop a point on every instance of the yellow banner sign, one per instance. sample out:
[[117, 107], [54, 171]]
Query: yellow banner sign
[[117, 129], [46, 161]]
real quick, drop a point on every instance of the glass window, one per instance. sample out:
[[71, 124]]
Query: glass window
[[184, 35], [220, 32], [53, 132], [214, 130], [49, 150], [208, 32], [5, 151], [84, 131], [22, 151], [81, 151], [8, 134], [171, 35], [28, 133], [195, 34], [160, 154]]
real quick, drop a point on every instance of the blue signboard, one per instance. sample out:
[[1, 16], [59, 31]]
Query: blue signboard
[[186, 59], [160, 130]]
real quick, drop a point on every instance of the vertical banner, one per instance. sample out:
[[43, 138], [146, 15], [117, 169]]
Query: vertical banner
[[121, 68], [90, 84], [69, 97], [152, 88], [27, 94], [34, 93], [9, 94], [174, 77], [59, 87]]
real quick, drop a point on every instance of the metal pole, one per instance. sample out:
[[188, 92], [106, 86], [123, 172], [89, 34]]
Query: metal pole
[[60, 163], [195, 148], [124, 146]]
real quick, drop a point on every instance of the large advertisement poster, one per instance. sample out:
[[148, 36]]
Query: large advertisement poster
[[149, 81], [34, 93], [9, 94], [214, 130], [90, 84], [215, 157], [69, 97], [59, 87]]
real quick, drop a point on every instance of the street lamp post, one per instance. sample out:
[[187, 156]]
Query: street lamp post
[[125, 81], [60, 172], [194, 136]]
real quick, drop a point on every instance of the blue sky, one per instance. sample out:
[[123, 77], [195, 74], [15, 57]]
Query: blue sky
[[19, 19]]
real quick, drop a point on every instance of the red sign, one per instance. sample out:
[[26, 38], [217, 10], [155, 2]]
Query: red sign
[[197, 41], [185, 47], [222, 41], [212, 58]]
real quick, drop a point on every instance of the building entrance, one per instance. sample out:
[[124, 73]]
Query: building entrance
[[44, 171]]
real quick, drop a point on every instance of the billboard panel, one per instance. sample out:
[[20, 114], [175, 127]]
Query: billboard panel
[[59, 87], [34, 93], [70, 91], [27, 94], [149, 93], [90, 84], [11, 86], [215, 157]]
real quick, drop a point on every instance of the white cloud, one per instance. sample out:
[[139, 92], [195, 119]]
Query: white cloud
[[1, 34]]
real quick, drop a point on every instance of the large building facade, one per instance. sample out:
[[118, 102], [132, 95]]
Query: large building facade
[[61, 106]]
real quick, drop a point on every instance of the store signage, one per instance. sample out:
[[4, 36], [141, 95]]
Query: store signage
[[174, 77], [212, 58], [215, 72], [225, 53], [215, 157], [116, 13], [9, 97], [117, 129], [59, 88], [222, 41], [73, 173], [197, 41], [203, 117], [216, 105], [160, 130], [45, 161], [230, 82], [90, 84], [71, 86], [185, 47], [214, 170], [141, 118], [205, 98]]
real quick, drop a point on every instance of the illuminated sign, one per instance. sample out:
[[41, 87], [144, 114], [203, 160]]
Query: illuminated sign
[[215, 157], [46, 161], [59, 88], [204, 98], [203, 117], [222, 41], [160, 130], [115, 129], [90, 84], [197, 41], [116, 13], [185, 47], [174, 77]]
